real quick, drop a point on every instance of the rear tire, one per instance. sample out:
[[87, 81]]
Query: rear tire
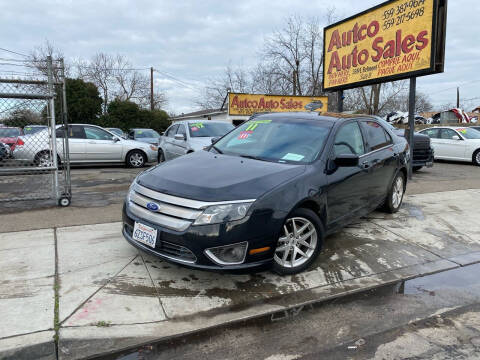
[[136, 159], [299, 243], [476, 157], [394, 199]]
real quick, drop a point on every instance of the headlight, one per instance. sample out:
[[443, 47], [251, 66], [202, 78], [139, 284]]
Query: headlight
[[220, 213], [130, 189], [154, 148]]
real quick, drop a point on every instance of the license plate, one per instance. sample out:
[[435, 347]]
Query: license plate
[[145, 234]]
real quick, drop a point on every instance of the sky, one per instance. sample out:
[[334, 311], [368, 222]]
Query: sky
[[192, 41]]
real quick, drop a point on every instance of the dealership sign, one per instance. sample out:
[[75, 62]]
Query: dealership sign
[[249, 104], [392, 41]]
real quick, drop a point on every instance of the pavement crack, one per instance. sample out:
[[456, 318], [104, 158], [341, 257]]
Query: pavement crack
[[96, 291], [155, 286]]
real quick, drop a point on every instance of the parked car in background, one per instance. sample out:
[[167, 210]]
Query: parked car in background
[[423, 152], [32, 129], [267, 193], [455, 143], [118, 132], [87, 144], [9, 135], [144, 135], [185, 137]]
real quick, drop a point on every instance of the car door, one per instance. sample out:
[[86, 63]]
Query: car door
[[449, 147], [76, 142], [347, 190], [381, 159], [180, 147], [169, 144], [101, 145]]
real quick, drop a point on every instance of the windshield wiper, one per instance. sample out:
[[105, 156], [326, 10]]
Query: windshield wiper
[[217, 149], [254, 158]]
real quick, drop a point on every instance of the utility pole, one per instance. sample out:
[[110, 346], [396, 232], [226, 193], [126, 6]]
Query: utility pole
[[151, 89], [458, 98]]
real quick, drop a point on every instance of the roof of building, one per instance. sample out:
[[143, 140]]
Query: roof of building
[[201, 113]]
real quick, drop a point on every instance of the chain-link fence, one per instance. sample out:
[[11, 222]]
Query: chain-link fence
[[32, 129]]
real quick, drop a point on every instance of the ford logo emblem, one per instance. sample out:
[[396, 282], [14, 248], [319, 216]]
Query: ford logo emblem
[[152, 206]]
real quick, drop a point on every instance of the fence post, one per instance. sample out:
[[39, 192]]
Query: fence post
[[53, 129]]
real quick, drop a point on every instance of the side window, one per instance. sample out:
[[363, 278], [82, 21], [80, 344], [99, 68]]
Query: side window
[[131, 135], [171, 132], [74, 132], [377, 137], [447, 134], [349, 140], [181, 130], [431, 133], [93, 133]]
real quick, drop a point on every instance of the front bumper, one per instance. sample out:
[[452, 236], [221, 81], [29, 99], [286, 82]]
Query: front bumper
[[423, 157], [187, 248], [151, 155]]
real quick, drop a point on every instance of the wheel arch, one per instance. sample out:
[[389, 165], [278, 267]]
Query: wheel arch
[[318, 208], [136, 149]]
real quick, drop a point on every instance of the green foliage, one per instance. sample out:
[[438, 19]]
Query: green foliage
[[127, 114], [84, 103], [23, 117]]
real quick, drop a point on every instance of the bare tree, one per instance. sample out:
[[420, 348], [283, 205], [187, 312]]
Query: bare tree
[[38, 60]]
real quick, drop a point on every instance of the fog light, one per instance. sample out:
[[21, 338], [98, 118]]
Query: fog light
[[228, 255]]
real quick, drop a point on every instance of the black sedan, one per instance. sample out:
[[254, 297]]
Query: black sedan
[[267, 193]]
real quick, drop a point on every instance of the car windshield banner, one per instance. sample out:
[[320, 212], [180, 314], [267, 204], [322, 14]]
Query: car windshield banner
[[249, 104], [395, 40]]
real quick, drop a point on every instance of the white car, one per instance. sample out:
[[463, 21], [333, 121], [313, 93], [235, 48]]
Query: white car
[[87, 144], [455, 143], [184, 137]]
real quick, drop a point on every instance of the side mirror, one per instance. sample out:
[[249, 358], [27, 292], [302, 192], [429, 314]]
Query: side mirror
[[347, 160], [456, 137], [180, 137], [116, 139], [214, 140]]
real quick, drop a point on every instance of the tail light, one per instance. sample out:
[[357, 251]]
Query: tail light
[[19, 142]]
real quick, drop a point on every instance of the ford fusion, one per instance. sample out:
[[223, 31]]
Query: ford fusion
[[267, 193]]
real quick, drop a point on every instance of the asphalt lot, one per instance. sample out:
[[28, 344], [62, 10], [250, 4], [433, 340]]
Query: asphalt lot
[[102, 190]]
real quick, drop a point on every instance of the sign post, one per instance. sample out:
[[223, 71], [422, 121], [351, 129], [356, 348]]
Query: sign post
[[411, 121]]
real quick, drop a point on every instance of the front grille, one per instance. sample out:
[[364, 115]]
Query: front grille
[[173, 213], [421, 144], [169, 250], [422, 155]]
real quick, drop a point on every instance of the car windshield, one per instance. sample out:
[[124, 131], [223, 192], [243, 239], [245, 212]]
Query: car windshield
[[469, 133], [141, 134], [9, 132], [33, 129], [116, 131], [282, 140], [207, 129]]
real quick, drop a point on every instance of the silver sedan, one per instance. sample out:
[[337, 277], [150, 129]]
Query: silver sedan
[[87, 144]]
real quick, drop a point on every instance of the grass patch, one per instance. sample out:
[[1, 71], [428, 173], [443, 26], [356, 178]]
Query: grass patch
[[103, 324]]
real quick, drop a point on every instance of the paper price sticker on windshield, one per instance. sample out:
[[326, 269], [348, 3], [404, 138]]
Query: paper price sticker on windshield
[[194, 128], [196, 125], [244, 135]]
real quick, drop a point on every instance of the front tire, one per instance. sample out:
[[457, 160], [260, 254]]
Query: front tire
[[476, 157], [136, 159], [299, 243], [161, 156], [395, 194]]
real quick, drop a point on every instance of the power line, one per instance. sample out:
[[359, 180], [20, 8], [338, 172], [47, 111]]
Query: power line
[[13, 52]]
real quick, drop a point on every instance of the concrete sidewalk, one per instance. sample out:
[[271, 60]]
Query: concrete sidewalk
[[111, 297]]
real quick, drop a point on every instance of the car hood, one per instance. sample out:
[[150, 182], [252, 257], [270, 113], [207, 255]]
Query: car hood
[[200, 142], [149, 140], [206, 176], [135, 143]]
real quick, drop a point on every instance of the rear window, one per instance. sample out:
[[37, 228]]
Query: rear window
[[10, 132]]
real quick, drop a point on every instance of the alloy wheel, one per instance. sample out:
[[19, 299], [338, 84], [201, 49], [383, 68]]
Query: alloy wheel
[[477, 158], [44, 160], [297, 244], [397, 194], [136, 159]]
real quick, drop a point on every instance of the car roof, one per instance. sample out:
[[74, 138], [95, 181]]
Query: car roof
[[312, 115]]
